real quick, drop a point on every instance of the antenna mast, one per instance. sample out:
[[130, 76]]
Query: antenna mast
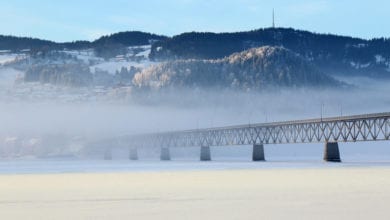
[[273, 18]]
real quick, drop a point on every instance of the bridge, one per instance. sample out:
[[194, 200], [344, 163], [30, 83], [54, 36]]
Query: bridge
[[330, 131]]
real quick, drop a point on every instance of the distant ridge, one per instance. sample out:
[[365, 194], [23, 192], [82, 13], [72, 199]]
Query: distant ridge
[[125, 39], [331, 53]]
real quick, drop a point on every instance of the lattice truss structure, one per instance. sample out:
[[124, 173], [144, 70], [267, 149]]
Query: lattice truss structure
[[372, 127]]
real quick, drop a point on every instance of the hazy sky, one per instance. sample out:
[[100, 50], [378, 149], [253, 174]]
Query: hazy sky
[[65, 20]]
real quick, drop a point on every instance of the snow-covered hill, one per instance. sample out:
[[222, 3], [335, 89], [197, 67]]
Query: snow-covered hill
[[58, 75], [253, 69]]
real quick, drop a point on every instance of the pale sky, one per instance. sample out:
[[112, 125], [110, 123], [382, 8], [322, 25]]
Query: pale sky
[[67, 20]]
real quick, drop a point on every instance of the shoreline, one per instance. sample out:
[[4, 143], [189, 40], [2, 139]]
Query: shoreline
[[41, 167]]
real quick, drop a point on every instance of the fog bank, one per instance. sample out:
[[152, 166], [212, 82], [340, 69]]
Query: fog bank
[[29, 123]]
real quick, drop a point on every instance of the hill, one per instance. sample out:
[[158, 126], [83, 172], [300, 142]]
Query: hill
[[253, 69]]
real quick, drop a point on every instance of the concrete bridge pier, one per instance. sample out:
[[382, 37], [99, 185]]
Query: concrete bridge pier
[[205, 153], [332, 153], [107, 154], [258, 152], [133, 153], [165, 154]]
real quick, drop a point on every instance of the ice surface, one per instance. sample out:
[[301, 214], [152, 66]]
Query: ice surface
[[294, 194]]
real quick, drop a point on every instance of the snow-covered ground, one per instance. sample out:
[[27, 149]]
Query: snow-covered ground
[[116, 65], [10, 57], [145, 51], [293, 194], [137, 56], [84, 55], [6, 58]]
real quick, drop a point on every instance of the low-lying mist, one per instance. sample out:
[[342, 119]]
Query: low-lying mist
[[51, 127]]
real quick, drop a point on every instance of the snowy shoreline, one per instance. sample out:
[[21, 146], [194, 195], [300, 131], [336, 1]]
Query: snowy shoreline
[[40, 167]]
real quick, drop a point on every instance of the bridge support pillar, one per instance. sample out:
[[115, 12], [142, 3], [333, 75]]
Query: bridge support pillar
[[107, 154], [258, 152], [332, 153], [133, 153], [165, 154], [205, 153]]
